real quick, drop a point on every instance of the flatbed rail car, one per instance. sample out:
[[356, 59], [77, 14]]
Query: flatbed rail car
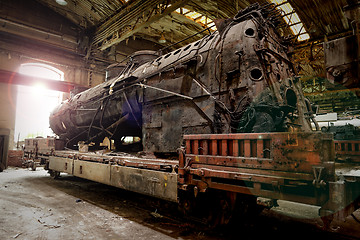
[[347, 150], [36, 151], [229, 171]]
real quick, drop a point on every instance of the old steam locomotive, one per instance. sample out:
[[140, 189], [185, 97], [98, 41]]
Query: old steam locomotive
[[238, 79], [232, 105]]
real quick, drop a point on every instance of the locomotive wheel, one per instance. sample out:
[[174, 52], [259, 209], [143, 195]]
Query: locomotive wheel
[[247, 208], [186, 203], [232, 208], [221, 214], [222, 209], [54, 174], [33, 166], [187, 207], [226, 211], [46, 167]]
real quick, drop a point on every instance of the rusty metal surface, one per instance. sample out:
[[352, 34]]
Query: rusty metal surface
[[122, 159], [269, 165], [150, 176], [342, 56], [342, 61], [43, 145], [297, 167], [290, 152], [237, 93], [237, 79], [97, 172], [153, 183], [60, 164], [36, 151], [347, 150], [132, 177]]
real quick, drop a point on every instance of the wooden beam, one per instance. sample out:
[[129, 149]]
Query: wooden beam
[[141, 26]]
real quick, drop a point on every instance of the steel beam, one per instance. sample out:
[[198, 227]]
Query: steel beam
[[9, 77], [128, 32], [122, 18]]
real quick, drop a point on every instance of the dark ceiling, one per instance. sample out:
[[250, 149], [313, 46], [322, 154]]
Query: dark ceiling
[[114, 21], [111, 30], [92, 34]]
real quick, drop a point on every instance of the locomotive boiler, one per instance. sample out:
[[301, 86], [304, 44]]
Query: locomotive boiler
[[238, 79]]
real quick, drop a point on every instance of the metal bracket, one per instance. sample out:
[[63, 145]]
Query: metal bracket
[[318, 182]]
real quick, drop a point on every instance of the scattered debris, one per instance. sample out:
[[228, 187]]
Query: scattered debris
[[48, 225], [155, 214], [40, 221], [52, 226], [15, 236]]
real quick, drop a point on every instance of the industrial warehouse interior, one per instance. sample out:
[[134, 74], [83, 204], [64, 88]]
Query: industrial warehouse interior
[[188, 119]]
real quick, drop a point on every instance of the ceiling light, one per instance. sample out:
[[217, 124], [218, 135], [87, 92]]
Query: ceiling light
[[61, 2], [162, 39]]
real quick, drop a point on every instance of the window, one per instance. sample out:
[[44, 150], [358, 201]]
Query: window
[[34, 103]]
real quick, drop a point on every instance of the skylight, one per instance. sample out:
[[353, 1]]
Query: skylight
[[287, 11], [292, 19], [197, 17], [193, 15]]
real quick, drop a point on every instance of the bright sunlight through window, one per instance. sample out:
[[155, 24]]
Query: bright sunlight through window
[[292, 19], [197, 17], [34, 104]]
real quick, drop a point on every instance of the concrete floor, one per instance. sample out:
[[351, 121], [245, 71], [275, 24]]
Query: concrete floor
[[35, 206]]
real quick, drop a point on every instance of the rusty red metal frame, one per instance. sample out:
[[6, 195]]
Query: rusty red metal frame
[[288, 166], [348, 150], [8, 77]]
